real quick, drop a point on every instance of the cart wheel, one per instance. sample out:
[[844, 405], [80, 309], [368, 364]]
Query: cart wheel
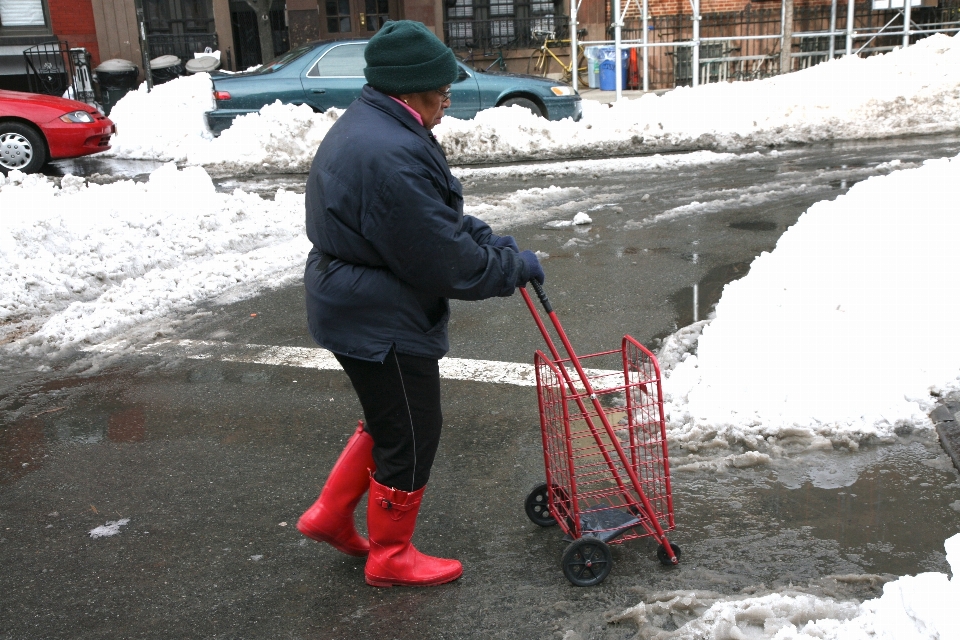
[[664, 558], [587, 562], [538, 508]]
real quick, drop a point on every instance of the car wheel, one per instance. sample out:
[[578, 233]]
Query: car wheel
[[21, 148], [527, 104]]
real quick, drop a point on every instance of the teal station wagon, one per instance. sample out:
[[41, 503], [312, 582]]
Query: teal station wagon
[[330, 74]]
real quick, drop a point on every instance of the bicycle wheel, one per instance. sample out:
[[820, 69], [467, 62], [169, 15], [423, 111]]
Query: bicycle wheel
[[539, 63], [581, 76]]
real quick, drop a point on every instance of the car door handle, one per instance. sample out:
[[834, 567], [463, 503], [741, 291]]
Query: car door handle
[[318, 90]]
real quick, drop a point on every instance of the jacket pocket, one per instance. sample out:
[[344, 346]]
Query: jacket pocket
[[455, 197], [441, 325]]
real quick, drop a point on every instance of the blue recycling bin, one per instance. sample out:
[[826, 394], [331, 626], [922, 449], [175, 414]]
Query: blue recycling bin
[[608, 68]]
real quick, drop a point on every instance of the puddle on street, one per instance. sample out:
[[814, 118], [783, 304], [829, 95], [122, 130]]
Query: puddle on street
[[897, 505], [695, 303], [66, 411], [264, 186], [754, 225], [103, 169]]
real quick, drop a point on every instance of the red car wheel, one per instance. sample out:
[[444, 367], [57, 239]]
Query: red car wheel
[[21, 148]]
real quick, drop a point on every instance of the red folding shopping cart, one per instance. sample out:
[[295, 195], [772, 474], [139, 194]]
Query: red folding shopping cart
[[604, 451]]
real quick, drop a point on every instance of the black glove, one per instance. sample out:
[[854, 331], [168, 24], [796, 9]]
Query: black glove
[[506, 241], [531, 268]]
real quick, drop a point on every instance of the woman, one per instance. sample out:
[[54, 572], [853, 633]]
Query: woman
[[390, 246]]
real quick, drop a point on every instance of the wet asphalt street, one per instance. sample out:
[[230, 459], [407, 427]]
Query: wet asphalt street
[[211, 462]]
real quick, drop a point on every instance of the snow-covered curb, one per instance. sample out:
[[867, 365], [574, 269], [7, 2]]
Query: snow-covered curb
[[920, 607], [83, 261], [830, 339]]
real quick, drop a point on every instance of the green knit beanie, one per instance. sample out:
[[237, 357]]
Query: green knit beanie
[[406, 57]]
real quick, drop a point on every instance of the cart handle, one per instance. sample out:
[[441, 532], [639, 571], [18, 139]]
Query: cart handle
[[544, 300]]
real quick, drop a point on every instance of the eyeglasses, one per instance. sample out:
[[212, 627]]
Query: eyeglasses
[[445, 94]]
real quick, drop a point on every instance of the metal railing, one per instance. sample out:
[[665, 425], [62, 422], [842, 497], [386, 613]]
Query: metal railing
[[746, 45], [183, 46], [739, 45], [56, 69]]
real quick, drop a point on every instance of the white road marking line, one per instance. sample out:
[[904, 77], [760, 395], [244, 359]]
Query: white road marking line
[[493, 371], [514, 373]]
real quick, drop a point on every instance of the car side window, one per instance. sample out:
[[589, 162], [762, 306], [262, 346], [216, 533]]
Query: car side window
[[344, 61]]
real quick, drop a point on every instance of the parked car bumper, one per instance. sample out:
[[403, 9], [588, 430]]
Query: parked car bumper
[[564, 107], [72, 140], [221, 119]]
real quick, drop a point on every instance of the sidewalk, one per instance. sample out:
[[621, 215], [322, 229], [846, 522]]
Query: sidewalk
[[607, 97]]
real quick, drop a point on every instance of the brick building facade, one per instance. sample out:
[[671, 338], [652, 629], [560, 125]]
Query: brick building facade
[[682, 7], [27, 23], [72, 20], [478, 30]]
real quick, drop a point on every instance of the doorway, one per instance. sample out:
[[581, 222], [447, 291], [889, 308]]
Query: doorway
[[246, 36], [341, 19]]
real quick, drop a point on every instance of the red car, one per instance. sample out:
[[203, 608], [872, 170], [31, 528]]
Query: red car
[[36, 128]]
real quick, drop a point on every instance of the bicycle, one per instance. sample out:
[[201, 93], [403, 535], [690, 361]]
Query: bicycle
[[543, 58], [499, 61]]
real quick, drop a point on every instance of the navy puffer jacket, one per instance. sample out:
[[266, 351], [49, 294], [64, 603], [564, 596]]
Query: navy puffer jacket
[[382, 203]]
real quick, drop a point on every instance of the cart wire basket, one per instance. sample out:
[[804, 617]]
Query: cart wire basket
[[604, 451]]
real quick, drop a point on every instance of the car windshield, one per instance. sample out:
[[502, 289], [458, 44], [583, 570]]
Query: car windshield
[[284, 60]]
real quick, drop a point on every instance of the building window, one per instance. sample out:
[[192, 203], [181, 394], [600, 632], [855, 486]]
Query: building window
[[501, 7], [378, 13], [338, 16], [178, 17], [22, 14], [492, 24], [542, 7]]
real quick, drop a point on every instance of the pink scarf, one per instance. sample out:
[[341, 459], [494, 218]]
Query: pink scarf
[[410, 109]]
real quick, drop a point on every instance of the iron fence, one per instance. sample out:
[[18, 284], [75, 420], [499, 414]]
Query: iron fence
[[183, 46], [744, 54], [56, 69]]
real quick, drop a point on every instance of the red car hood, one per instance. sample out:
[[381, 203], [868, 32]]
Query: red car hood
[[19, 102]]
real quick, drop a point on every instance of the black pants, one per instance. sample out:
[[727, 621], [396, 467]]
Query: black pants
[[401, 407]]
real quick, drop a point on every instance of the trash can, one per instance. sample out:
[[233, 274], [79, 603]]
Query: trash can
[[165, 68], [203, 64], [593, 66], [608, 66], [116, 78]]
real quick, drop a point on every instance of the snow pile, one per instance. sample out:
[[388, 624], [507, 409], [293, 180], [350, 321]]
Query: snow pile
[[165, 123], [81, 261], [908, 91], [282, 138], [112, 528], [831, 338], [580, 219], [918, 607]]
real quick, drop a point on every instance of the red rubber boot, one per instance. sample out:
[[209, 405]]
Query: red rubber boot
[[393, 560], [330, 519]]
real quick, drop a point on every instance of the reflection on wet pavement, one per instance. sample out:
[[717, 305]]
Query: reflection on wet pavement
[[103, 169], [865, 521]]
